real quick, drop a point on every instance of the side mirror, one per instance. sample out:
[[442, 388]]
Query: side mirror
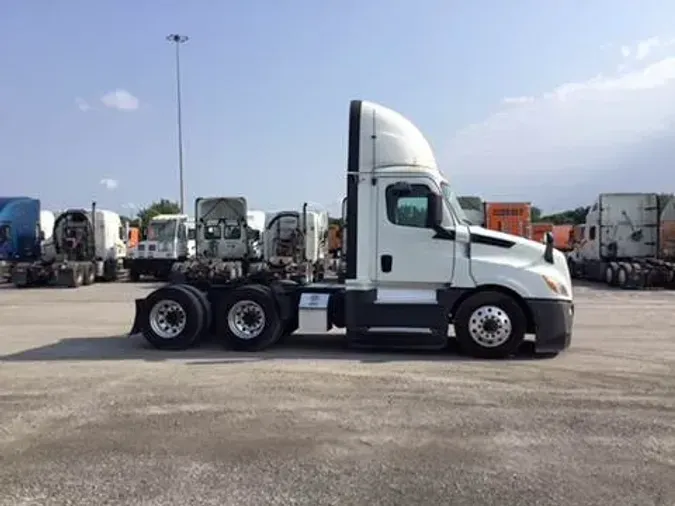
[[548, 252], [434, 210]]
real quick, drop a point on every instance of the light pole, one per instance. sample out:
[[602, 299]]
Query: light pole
[[177, 40]]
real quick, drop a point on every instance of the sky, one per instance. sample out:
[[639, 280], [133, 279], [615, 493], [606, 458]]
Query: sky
[[548, 101]]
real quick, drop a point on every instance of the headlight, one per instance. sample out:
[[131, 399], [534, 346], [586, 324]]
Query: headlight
[[555, 286]]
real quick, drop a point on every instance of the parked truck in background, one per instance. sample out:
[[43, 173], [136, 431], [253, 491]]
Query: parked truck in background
[[19, 232], [406, 280], [623, 242], [228, 240], [85, 246], [170, 238], [509, 217], [296, 243]]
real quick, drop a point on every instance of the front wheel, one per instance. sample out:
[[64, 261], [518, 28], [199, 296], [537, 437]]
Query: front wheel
[[490, 325]]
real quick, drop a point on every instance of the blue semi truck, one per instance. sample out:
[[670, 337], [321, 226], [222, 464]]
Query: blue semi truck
[[19, 232]]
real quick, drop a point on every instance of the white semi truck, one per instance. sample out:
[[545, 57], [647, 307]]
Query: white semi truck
[[624, 242], [84, 246], [413, 268], [296, 243], [229, 241], [170, 238]]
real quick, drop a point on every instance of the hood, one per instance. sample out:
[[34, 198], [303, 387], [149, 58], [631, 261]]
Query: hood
[[525, 250], [507, 237]]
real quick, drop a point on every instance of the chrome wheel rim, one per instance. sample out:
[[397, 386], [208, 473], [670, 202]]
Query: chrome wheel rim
[[490, 326], [246, 319], [167, 319]]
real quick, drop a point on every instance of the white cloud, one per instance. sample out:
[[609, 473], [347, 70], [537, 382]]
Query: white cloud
[[110, 184], [565, 136], [121, 100], [82, 104], [642, 49], [130, 206], [518, 100]]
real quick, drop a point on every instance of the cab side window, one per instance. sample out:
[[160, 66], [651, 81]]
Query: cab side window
[[409, 209], [192, 234], [591, 233]]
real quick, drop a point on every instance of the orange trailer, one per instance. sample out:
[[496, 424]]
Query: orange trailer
[[510, 217], [539, 230], [563, 237]]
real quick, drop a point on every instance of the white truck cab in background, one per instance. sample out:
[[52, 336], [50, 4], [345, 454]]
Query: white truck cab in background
[[170, 238]]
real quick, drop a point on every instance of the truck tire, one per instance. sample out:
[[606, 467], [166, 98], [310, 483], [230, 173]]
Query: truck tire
[[247, 319], [89, 275], [490, 325], [204, 302], [173, 318], [610, 274], [623, 275], [76, 277]]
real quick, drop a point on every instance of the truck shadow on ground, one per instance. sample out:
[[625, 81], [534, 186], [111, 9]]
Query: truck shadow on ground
[[297, 347]]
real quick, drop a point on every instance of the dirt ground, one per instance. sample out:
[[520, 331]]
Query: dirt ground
[[90, 417]]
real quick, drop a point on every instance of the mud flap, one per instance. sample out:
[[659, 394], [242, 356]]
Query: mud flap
[[139, 318]]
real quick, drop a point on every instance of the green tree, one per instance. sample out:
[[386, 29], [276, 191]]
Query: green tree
[[536, 214], [575, 216], [163, 206]]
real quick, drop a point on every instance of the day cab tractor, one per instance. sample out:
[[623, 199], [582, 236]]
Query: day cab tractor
[[408, 275], [296, 244], [624, 242], [170, 238], [228, 241], [85, 246]]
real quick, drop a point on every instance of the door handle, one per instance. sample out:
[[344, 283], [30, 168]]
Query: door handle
[[385, 263]]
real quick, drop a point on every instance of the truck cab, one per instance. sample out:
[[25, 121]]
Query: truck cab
[[170, 238], [620, 243]]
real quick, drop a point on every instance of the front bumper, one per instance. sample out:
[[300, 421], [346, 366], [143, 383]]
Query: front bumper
[[553, 321]]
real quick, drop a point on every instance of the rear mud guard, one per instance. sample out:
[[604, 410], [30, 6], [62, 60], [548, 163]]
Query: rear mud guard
[[139, 318]]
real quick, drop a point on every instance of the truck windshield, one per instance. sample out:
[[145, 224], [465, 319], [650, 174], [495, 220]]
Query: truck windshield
[[162, 230], [453, 203]]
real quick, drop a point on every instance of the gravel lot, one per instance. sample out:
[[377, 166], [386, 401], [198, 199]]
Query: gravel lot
[[90, 417]]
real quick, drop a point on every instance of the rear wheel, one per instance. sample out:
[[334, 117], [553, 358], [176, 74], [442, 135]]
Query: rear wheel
[[76, 277], [89, 275], [174, 318], [204, 302], [247, 319], [610, 275], [622, 275], [490, 325]]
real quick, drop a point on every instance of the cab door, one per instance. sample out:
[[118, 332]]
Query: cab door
[[410, 256]]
